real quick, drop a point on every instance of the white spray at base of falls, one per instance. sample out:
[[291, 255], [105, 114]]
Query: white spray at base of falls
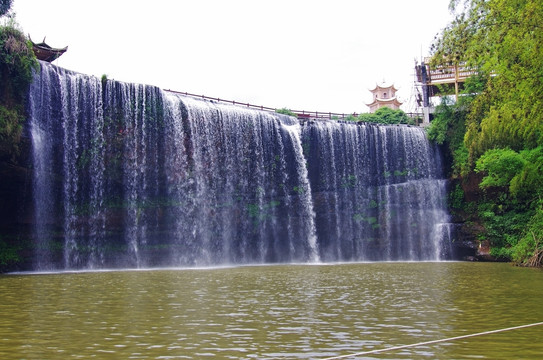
[[131, 176]]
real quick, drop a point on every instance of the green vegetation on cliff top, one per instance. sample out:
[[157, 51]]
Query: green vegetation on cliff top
[[5, 6], [17, 62], [386, 115]]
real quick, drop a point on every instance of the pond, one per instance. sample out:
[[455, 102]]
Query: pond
[[274, 312]]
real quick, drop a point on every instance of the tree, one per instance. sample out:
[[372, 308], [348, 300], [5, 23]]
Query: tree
[[386, 115], [5, 5], [504, 120], [502, 39], [505, 43], [500, 166], [448, 128], [527, 185], [529, 250], [285, 111], [17, 63]]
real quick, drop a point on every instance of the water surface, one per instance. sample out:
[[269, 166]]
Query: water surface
[[274, 312]]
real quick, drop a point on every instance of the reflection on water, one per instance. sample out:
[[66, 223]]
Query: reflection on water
[[273, 312]]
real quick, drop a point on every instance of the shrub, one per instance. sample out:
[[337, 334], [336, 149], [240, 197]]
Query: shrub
[[500, 165], [17, 63], [529, 250], [386, 115], [285, 111], [5, 5]]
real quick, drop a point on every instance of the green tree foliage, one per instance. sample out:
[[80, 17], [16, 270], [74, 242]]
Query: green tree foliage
[[285, 111], [502, 39], [504, 42], [503, 121], [527, 185], [5, 5], [17, 62], [451, 46], [449, 125], [501, 166], [386, 115], [529, 250], [513, 214], [444, 118]]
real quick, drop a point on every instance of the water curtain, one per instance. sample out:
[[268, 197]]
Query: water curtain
[[128, 175]]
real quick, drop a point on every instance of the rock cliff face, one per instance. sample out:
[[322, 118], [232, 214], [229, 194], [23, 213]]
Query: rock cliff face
[[16, 209], [467, 246], [125, 175]]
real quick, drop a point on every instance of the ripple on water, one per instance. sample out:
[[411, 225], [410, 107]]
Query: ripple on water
[[297, 312]]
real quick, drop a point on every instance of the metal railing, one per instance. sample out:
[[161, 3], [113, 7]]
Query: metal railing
[[301, 114]]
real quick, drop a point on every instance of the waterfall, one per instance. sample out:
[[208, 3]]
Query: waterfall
[[378, 191], [128, 175], [66, 127]]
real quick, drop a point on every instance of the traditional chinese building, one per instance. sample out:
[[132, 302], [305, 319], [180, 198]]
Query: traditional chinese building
[[45, 52], [384, 96]]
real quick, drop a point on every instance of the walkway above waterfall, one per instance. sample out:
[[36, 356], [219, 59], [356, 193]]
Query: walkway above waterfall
[[301, 114]]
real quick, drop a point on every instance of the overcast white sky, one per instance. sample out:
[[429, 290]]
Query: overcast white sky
[[301, 54]]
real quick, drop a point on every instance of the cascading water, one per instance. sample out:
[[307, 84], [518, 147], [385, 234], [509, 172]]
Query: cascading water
[[131, 176], [68, 155], [377, 192]]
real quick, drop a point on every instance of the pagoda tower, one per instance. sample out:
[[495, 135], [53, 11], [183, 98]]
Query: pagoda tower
[[384, 95]]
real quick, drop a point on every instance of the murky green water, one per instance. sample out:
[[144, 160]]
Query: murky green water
[[274, 312]]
